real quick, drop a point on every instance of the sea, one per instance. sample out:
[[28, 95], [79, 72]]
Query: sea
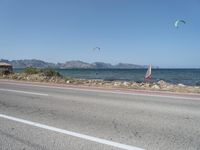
[[175, 76]]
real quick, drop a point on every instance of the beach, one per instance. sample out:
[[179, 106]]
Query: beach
[[99, 83], [175, 76]]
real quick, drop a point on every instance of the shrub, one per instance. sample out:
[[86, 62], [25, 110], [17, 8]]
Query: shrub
[[6, 72], [31, 70], [68, 78], [49, 72]]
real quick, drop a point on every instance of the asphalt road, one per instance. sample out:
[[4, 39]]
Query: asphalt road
[[83, 119]]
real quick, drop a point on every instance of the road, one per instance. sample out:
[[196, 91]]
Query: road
[[66, 118]]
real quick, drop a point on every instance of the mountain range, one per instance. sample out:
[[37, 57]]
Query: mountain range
[[69, 64]]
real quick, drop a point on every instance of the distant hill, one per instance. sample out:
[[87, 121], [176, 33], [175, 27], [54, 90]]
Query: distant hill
[[69, 64], [29, 63], [128, 66], [101, 65], [73, 64]]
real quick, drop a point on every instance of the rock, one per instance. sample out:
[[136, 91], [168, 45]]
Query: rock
[[181, 85], [147, 85], [141, 84], [161, 82], [117, 83], [126, 83], [156, 87], [134, 84], [94, 83], [100, 83], [68, 81], [169, 87]]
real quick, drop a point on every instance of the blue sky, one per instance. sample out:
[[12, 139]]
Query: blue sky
[[129, 31]]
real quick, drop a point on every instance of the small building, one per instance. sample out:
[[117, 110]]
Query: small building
[[5, 68]]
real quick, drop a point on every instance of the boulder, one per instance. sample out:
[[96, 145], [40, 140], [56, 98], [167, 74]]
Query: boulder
[[68, 81], [181, 85], [156, 87], [161, 82], [125, 83], [117, 83]]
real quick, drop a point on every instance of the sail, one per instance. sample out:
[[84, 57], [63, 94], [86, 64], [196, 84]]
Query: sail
[[148, 74]]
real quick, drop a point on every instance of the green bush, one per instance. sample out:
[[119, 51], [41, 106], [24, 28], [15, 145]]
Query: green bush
[[49, 72], [31, 70], [68, 78]]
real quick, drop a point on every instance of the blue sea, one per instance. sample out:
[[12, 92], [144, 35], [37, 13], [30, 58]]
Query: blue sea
[[184, 76]]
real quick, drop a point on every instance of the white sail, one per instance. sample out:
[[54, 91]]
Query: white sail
[[148, 74]]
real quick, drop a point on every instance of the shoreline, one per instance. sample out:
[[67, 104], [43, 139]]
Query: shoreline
[[128, 85], [172, 76]]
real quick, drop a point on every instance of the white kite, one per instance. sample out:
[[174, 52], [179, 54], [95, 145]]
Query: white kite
[[96, 49], [178, 22]]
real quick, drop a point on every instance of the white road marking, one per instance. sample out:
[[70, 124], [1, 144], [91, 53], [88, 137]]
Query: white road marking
[[70, 133], [112, 92], [24, 92]]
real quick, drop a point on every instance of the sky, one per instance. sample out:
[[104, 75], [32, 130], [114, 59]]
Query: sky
[[129, 31]]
